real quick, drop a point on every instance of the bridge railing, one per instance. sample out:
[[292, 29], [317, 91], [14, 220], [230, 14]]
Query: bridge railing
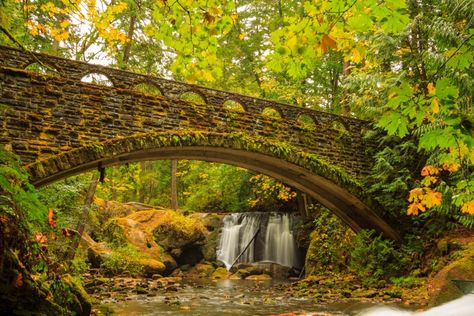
[[76, 70]]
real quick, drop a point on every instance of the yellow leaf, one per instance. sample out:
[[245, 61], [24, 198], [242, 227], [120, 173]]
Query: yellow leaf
[[432, 198], [356, 55], [414, 208], [64, 23], [468, 208], [451, 167], [215, 11], [435, 106], [415, 195], [431, 88], [242, 36]]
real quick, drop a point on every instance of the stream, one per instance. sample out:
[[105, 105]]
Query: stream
[[229, 297]]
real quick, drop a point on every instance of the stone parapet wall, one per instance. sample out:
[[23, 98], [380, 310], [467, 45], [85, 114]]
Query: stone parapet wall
[[42, 115]]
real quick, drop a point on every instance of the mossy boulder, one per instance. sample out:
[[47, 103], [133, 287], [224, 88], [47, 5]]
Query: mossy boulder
[[212, 223], [442, 288], [201, 270], [112, 209], [170, 229], [220, 273], [82, 300]]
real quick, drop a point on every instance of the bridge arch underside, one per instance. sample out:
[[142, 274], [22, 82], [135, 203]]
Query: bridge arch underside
[[329, 185]]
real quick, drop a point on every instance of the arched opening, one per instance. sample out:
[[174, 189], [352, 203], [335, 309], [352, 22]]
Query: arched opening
[[98, 79], [192, 97], [306, 122], [339, 126], [341, 129], [148, 88], [42, 68], [271, 113], [306, 173], [233, 106]]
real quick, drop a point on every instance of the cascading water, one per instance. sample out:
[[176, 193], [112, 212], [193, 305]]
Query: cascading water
[[265, 237]]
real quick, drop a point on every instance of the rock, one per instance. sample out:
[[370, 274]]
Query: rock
[[275, 270], [83, 301], [202, 270], [156, 276], [220, 273], [170, 229], [210, 245], [441, 288], [259, 277], [177, 273]]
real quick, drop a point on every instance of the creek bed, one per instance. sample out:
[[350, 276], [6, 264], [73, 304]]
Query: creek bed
[[228, 297]]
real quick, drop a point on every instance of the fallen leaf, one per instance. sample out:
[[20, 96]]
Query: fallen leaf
[[51, 221]]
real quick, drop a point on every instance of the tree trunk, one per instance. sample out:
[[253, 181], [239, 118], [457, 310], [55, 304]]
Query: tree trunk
[[128, 45], [346, 71], [174, 190]]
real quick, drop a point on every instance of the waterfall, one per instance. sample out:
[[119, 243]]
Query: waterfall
[[274, 239]]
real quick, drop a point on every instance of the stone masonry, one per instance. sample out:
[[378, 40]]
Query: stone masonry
[[46, 114]]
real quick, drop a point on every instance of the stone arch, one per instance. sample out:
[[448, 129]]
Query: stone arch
[[233, 106], [148, 88], [42, 68], [193, 96], [98, 79], [305, 121], [306, 172], [271, 113]]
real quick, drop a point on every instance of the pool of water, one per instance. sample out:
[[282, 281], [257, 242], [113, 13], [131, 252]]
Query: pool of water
[[229, 297]]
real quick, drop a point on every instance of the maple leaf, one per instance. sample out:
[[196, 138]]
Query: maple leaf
[[432, 198], [327, 42], [414, 208], [51, 221], [468, 208], [429, 170], [415, 195]]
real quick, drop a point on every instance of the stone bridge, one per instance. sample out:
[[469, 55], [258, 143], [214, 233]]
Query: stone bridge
[[60, 125]]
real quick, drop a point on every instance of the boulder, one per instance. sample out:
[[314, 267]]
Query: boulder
[[442, 287], [259, 277], [220, 273]]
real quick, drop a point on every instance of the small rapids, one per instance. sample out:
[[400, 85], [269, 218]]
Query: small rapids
[[463, 306]]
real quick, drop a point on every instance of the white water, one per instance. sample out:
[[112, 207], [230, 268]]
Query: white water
[[463, 306], [277, 243]]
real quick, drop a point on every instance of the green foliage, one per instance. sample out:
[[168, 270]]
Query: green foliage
[[66, 198], [329, 245], [124, 258], [373, 258], [19, 199], [392, 174]]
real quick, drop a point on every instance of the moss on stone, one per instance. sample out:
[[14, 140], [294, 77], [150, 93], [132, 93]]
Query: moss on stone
[[441, 287], [220, 273]]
